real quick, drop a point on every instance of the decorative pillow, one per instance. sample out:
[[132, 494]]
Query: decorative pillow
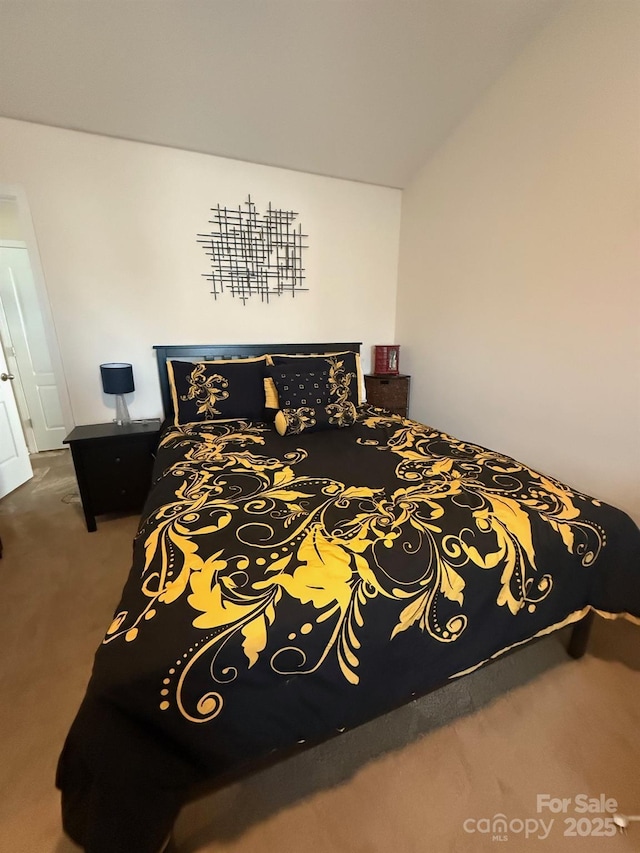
[[217, 390], [345, 380], [270, 393], [295, 386], [308, 398], [315, 418]]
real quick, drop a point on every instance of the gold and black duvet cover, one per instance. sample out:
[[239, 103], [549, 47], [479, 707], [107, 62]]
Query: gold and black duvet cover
[[287, 588]]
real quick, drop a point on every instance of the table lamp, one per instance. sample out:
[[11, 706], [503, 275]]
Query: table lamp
[[117, 378]]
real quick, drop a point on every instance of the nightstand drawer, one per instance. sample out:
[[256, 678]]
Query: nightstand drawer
[[119, 474], [118, 496], [109, 458]]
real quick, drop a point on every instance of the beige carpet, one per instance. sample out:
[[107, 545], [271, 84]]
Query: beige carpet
[[533, 723]]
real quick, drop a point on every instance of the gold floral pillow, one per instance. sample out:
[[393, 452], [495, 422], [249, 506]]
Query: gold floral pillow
[[315, 418], [344, 371], [308, 400], [217, 390]]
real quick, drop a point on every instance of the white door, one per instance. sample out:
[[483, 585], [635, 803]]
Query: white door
[[28, 339], [15, 467]]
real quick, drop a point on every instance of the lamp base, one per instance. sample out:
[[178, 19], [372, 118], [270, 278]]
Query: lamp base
[[122, 412]]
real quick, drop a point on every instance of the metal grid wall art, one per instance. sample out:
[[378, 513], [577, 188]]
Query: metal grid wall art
[[253, 254]]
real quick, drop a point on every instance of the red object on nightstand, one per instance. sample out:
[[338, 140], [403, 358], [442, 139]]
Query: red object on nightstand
[[387, 359]]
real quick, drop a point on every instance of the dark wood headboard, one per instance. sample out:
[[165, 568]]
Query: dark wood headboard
[[212, 352]]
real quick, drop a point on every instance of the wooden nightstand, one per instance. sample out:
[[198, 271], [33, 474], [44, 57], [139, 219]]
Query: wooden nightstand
[[113, 466], [389, 392]]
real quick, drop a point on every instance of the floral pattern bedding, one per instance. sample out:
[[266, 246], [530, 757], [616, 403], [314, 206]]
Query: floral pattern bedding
[[285, 588]]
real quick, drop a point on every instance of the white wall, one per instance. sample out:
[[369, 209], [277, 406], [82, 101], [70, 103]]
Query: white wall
[[9, 220], [116, 224], [519, 288]]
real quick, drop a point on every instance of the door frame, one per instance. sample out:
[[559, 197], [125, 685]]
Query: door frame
[[16, 193]]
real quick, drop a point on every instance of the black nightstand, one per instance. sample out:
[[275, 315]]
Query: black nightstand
[[113, 466], [389, 392]]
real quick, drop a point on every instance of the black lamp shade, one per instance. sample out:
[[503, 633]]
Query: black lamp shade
[[117, 378]]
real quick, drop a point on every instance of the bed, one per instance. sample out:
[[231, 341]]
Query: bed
[[288, 587]]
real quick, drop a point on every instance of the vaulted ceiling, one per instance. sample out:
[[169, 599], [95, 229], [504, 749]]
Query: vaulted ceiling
[[357, 89]]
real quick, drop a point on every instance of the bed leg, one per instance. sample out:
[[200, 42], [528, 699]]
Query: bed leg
[[580, 636]]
